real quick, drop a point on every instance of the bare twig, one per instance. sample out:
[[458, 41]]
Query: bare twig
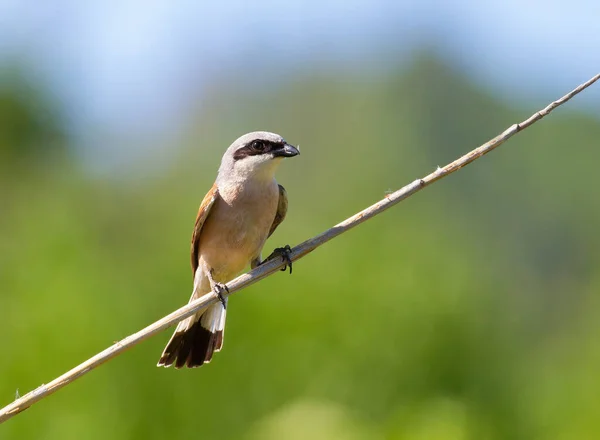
[[271, 267]]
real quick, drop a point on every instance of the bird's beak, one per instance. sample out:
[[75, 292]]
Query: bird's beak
[[286, 150]]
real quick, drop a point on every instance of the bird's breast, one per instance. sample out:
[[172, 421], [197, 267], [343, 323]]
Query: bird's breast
[[237, 228]]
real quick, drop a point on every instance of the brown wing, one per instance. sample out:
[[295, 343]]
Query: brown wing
[[281, 210], [203, 211]]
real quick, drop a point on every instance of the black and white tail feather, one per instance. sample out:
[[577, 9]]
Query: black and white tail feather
[[196, 338]]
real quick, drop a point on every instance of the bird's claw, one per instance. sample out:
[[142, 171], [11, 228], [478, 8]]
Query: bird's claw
[[220, 289], [285, 254]]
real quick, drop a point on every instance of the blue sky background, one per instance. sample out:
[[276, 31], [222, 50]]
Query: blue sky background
[[129, 71]]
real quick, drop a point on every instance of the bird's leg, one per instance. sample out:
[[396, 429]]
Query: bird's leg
[[285, 254], [218, 288]]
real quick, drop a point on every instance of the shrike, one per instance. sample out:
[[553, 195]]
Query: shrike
[[242, 209]]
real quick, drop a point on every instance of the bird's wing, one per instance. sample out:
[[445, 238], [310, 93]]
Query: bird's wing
[[203, 211], [281, 210]]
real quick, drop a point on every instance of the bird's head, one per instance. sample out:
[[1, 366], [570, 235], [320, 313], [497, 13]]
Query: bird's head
[[255, 155]]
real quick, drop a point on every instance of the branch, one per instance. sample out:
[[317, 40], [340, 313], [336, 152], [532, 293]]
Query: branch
[[273, 266]]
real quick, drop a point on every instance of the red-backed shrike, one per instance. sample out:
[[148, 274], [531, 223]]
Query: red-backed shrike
[[242, 209]]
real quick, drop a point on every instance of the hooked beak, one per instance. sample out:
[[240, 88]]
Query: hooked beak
[[286, 150]]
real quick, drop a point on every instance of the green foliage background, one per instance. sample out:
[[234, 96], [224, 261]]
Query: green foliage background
[[470, 311]]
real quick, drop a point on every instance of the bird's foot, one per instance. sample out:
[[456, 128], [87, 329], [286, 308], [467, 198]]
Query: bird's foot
[[220, 289], [285, 254]]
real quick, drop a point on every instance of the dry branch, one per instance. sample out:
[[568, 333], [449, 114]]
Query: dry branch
[[271, 267]]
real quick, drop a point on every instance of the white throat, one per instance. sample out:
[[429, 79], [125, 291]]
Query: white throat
[[250, 170]]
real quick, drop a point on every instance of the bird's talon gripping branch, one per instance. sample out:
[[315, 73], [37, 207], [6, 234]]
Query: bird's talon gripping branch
[[285, 254], [220, 289]]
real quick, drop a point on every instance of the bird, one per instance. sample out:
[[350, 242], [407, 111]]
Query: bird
[[241, 210]]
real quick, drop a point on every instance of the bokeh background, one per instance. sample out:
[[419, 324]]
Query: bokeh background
[[470, 311]]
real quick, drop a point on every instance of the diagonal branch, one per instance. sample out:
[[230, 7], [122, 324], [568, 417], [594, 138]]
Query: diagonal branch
[[273, 266]]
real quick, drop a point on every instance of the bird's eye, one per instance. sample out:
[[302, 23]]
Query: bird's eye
[[257, 146]]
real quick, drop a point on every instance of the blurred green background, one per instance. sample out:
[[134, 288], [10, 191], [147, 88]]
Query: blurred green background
[[469, 311]]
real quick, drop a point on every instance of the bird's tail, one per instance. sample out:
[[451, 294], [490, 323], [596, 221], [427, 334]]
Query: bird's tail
[[196, 339]]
